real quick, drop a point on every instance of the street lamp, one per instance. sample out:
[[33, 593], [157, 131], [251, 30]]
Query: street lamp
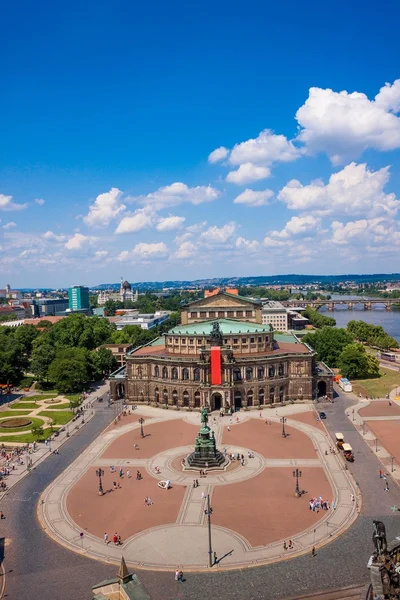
[[297, 474], [141, 421], [208, 512], [363, 427], [392, 459], [353, 414], [283, 421], [100, 473], [376, 444]]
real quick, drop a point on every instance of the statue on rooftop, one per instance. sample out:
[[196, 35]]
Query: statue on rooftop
[[216, 335]]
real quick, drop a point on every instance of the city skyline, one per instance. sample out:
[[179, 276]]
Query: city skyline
[[212, 147]]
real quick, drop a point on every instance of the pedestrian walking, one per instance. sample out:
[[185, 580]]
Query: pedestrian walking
[[106, 538], [128, 474], [386, 488], [176, 574], [149, 501], [313, 552], [290, 544], [284, 545], [380, 474], [121, 472], [215, 558], [114, 485], [2, 515], [181, 576]]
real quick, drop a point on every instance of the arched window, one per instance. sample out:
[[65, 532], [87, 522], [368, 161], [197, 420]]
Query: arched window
[[238, 399], [197, 399], [281, 370], [260, 373], [174, 373], [165, 373], [250, 397], [271, 371], [237, 375], [281, 393], [196, 375], [165, 396], [141, 396], [175, 397], [261, 395], [156, 371], [156, 395], [185, 397], [249, 373], [271, 395], [185, 374]]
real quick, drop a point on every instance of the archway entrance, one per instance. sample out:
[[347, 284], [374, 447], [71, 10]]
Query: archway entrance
[[321, 388], [238, 400], [120, 391], [216, 402]]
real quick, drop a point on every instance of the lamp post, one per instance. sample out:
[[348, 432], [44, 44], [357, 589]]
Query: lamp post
[[283, 421], [297, 475], [363, 427], [141, 421], [208, 512], [392, 459], [376, 444], [100, 473], [353, 414]]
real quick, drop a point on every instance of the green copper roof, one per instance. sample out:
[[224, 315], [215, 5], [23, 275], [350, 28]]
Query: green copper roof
[[226, 325], [285, 337]]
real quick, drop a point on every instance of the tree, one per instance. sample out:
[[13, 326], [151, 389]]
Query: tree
[[328, 343], [374, 335], [13, 360], [37, 431], [317, 319], [74, 403], [25, 335], [42, 357], [355, 363], [69, 370], [109, 308], [103, 362]]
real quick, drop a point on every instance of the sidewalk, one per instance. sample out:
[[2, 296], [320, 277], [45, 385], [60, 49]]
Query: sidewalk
[[43, 451]]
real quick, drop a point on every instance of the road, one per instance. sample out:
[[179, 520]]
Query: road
[[38, 568]]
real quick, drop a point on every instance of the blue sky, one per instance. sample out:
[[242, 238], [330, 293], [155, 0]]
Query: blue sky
[[183, 140]]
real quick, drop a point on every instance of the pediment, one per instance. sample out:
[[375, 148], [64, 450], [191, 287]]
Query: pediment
[[221, 300]]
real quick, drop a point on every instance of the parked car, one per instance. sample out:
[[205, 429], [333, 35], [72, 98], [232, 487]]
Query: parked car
[[56, 433], [322, 415]]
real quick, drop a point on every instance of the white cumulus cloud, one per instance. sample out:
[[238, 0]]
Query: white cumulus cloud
[[253, 198], [7, 204], [344, 124], [218, 235], [9, 225], [170, 223], [250, 246], [353, 191], [297, 227], [218, 154], [39, 201], [265, 149], [105, 208], [78, 241], [248, 173], [177, 193], [186, 250], [101, 253], [152, 250], [140, 219], [53, 237]]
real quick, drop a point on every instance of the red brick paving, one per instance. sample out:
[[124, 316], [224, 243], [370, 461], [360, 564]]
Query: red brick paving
[[159, 437], [268, 441], [388, 433], [264, 509], [131, 418], [122, 511], [309, 418], [380, 408]]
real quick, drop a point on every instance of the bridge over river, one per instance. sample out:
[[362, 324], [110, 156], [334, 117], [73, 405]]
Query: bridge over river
[[349, 304]]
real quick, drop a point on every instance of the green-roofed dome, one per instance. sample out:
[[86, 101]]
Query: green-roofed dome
[[226, 326]]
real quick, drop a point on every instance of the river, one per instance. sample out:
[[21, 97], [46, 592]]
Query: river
[[389, 319]]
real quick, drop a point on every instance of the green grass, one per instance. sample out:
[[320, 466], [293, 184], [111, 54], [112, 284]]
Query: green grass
[[62, 406], [43, 396], [30, 405], [35, 421], [73, 396], [379, 387], [59, 417], [24, 438], [14, 413]]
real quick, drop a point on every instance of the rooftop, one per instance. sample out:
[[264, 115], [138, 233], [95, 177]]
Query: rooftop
[[226, 325]]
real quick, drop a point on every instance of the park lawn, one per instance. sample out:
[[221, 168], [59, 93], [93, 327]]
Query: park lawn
[[59, 417], [14, 413], [379, 387], [44, 396], [63, 406], [25, 438], [34, 420], [30, 405], [73, 396]]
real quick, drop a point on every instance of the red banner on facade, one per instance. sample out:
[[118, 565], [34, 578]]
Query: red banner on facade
[[216, 365]]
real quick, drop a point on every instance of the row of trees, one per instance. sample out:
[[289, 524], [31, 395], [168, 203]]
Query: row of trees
[[150, 303], [317, 319], [338, 349], [373, 335]]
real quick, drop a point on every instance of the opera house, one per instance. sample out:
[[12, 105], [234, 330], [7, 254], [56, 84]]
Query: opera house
[[221, 357]]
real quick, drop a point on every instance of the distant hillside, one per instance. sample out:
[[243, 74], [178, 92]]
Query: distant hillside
[[261, 280]]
